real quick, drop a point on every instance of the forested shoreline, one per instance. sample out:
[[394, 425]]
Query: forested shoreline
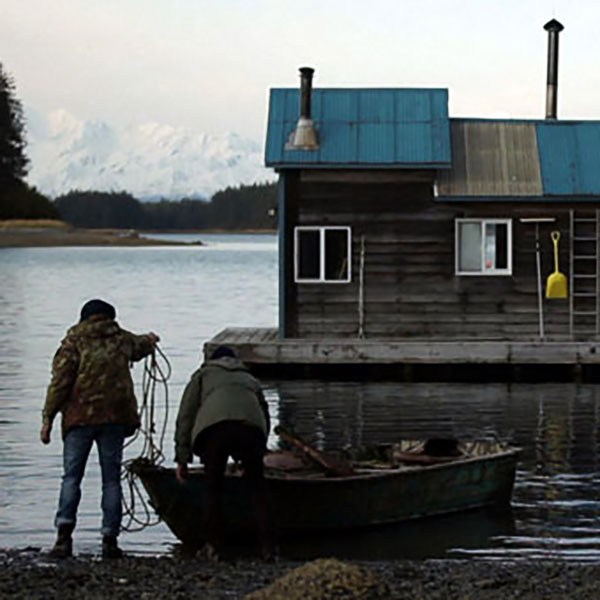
[[235, 208], [247, 207]]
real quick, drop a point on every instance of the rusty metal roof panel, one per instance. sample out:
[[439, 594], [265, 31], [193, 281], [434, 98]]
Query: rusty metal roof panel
[[522, 159], [361, 128], [570, 157], [492, 158]]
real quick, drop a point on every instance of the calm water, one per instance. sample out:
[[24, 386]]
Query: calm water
[[188, 294]]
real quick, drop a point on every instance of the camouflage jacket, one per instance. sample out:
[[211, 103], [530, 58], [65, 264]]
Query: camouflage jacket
[[91, 380]]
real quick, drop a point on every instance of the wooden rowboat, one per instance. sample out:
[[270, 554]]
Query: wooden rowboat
[[409, 484]]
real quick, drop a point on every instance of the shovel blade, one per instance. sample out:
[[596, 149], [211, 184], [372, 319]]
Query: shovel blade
[[556, 286]]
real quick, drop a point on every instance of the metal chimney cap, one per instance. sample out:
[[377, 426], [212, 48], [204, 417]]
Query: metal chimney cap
[[306, 70], [304, 137], [553, 26]]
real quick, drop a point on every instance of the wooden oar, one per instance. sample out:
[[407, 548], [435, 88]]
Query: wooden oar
[[331, 465]]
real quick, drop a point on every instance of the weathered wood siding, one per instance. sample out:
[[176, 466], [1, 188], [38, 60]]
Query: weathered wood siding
[[411, 289]]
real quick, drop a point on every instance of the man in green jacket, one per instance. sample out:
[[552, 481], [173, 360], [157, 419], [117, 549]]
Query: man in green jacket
[[223, 413], [92, 387]]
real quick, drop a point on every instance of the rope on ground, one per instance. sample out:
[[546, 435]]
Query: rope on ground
[[136, 511]]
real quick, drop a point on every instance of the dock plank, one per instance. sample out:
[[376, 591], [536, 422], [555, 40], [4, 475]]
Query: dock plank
[[262, 346]]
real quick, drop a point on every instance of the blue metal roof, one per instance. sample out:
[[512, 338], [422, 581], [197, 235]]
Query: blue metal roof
[[570, 157], [410, 128], [362, 128]]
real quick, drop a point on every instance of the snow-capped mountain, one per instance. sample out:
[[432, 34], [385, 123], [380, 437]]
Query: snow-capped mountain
[[149, 161]]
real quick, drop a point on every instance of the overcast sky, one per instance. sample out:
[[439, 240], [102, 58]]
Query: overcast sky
[[208, 64]]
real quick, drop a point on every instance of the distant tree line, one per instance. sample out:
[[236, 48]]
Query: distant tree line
[[17, 199], [235, 208]]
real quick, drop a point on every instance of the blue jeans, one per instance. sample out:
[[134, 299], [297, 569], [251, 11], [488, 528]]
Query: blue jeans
[[77, 445]]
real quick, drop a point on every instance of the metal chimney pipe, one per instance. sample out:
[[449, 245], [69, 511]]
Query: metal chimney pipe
[[553, 28], [306, 75], [304, 136]]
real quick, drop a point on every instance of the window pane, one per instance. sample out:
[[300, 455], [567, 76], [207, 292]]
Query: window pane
[[490, 246], [501, 246], [336, 254], [308, 254], [469, 247], [496, 246]]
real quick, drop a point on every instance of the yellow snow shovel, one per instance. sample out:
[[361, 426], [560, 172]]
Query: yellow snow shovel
[[556, 285]]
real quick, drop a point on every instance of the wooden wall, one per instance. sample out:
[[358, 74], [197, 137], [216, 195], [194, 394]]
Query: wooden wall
[[410, 286]]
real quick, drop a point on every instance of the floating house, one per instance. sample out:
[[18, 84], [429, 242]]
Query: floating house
[[411, 239]]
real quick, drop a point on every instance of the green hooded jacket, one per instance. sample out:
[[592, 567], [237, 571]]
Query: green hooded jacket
[[220, 390], [91, 380]]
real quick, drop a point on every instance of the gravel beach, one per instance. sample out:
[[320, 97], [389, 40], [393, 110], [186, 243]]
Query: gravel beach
[[29, 573]]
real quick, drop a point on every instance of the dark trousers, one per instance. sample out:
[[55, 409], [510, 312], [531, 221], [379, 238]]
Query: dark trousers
[[246, 444]]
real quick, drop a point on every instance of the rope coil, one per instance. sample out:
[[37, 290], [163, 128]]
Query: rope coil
[[156, 375]]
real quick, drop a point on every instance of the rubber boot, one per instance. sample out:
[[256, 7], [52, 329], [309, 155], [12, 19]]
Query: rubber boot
[[110, 548], [63, 547]]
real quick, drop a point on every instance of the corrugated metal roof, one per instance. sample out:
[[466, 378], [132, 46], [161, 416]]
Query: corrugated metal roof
[[513, 160], [492, 158], [361, 128], [410, 128], [570, 157]]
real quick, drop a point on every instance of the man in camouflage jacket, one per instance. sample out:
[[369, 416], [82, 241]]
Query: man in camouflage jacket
[[92, 387]]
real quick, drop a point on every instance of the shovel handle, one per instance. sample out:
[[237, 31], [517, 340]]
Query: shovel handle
[[555, 235]]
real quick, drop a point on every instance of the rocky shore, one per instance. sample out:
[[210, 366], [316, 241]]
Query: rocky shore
[[30, 574]]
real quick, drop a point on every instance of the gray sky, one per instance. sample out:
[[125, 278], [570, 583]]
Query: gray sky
[[208, 64]]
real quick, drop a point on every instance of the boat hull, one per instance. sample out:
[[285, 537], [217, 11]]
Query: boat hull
[[304, 504]]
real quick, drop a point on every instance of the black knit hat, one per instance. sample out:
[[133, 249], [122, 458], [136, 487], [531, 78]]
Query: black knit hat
[[97, 307], [222, 352]]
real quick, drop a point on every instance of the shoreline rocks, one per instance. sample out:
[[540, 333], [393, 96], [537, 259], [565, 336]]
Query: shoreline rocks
[[29, 573]]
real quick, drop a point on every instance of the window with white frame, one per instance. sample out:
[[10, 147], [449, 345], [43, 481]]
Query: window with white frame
[[483, 246], [322, 254]]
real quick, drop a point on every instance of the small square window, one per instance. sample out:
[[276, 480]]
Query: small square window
[[322, 254], [483, 247]]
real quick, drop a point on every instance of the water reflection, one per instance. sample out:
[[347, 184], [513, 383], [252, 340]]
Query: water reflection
[[435, 537]]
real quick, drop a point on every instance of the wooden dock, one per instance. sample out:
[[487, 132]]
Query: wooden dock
[[412, 359]]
